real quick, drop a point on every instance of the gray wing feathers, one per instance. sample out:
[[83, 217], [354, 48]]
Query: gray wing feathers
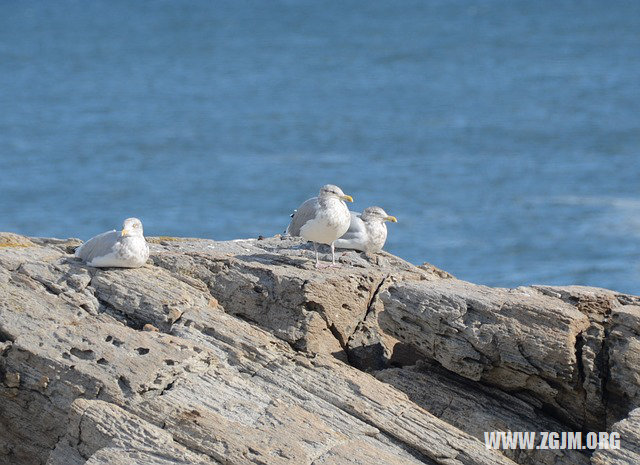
[[356, 225], [97, 246], [356, 235], [304, 213]]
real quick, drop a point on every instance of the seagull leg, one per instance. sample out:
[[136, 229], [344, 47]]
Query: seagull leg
[[333, 256], [315, 247], [318, 264]]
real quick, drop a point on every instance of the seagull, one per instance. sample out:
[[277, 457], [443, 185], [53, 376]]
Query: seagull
[[124, 249], [367, 231], [322, 219]]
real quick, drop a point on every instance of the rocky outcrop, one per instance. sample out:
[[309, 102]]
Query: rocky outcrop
[[242, 352], [629, 451]]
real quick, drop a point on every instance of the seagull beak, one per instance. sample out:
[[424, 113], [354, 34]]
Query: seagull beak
[[393, 219], [124, 232], [348, 198]]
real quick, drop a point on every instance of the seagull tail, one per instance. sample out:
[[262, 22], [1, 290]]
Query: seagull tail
[[78, 251]]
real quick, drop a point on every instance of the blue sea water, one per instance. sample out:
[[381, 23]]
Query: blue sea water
[[503, 134]]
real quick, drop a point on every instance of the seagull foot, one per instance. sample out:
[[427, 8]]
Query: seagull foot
[[327, 265]]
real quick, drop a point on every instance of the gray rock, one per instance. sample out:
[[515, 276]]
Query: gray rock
[[548, 347], [242, 352], [476, 409], [629, 451]]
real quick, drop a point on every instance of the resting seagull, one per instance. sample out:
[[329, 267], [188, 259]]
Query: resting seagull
[[367, 231], [322, 219], [124, 249]]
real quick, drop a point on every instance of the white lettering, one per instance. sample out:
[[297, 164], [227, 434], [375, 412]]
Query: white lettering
[[545, 438], [614, 440]]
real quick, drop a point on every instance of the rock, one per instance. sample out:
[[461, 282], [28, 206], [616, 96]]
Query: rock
[[102, 432], [242, 352], [629, 450], [548, 347], [476, 409], [12, 380], [622, 346], [14, 240], [273, 283]]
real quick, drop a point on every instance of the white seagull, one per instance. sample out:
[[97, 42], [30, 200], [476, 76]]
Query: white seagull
[[322, 219], [367, 231], [125, 249]]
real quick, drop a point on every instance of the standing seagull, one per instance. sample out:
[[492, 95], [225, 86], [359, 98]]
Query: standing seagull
[[322, 219], [124, 249], [367, 231]]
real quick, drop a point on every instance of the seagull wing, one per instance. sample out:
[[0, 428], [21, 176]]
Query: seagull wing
[[304, 213], [97, 246], [356, 236]]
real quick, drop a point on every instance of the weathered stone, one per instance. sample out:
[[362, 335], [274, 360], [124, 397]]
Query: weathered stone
[[533, 343], [102, 433], [8, 239], [623, 362], [629, 451], [478, 409], [274, 283], [242, 352]]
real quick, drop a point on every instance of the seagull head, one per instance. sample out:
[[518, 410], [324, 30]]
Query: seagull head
[[329, 190], [131, 227], [377, 214]]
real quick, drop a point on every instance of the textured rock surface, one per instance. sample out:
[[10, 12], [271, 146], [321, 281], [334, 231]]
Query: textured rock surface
[[548, 346], [629, 451], [242, 352], [475, 409]]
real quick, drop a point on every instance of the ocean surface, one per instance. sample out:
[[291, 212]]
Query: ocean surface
[[504, 135]]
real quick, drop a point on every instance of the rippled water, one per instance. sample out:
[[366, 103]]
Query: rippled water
[[504, 135]]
